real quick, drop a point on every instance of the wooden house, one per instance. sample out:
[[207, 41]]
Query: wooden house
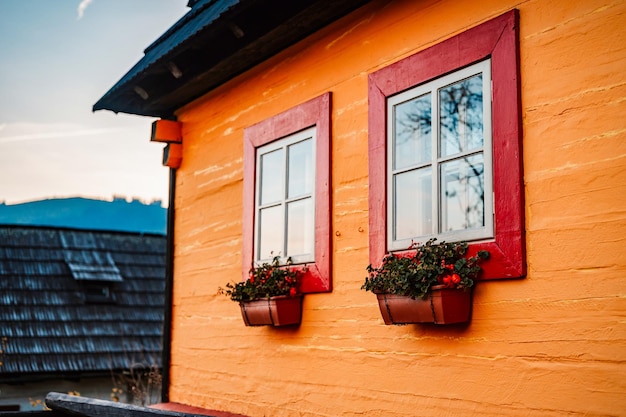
[[374, 90], [81, 311]]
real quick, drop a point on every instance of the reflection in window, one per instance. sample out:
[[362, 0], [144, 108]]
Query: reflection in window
[[439, 159], [301, 169], [270, 221], [461, 116], [300, 227], [412, 139], [413, 203], [272, 177], [285, 215], [462, 194]]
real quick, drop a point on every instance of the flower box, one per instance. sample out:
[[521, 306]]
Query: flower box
[[432, 285], [270, 295], [280, 310], [441, 306]]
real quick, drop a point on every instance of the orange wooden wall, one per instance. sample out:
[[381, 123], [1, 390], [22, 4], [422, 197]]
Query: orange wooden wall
[[551, 344]]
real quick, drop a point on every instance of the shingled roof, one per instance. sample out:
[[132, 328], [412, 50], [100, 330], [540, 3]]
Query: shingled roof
[[79, 301]]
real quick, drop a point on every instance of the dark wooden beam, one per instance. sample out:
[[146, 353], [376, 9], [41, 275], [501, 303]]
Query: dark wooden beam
[[90, 407]]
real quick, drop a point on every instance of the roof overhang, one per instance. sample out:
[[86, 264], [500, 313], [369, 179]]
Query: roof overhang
[[213, 43]]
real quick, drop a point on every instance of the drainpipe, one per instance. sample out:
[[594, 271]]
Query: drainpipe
[[169, 280]]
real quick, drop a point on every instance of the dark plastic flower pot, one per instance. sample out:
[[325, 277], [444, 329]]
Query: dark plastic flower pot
[[442, 306], [275, 311]]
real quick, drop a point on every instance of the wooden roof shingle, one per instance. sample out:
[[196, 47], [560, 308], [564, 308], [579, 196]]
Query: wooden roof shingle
[[50, 320]]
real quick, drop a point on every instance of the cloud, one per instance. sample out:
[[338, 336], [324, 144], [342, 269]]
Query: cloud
[[82, 7], [21, 132]]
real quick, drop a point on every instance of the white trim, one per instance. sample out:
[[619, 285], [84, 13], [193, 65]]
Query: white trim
[[284, 143]]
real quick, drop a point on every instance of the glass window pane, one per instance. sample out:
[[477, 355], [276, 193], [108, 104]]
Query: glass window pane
[[301, 170], [412, 132], [300, 217], [271, 225], [271, 187], [463, 194], [413, 204], [461, 116]]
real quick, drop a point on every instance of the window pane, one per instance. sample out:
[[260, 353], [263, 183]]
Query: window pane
[[271, 227], [300, 227], [412, 132], [272, 177], [461, 116], [301, 172], [463, 194], [413, 204]]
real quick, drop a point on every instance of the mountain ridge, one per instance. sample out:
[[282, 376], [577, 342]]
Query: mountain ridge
[[87, 213]]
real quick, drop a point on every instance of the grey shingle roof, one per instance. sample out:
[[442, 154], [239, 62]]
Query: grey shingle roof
[[50, 319]]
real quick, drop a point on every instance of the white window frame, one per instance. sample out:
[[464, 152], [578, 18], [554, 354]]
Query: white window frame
[[284, 143], [436, 161]]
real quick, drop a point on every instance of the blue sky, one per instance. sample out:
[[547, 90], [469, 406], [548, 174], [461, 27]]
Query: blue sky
[[57, 58]]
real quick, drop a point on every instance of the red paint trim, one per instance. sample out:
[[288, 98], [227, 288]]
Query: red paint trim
[[315, 112], [498, 39]]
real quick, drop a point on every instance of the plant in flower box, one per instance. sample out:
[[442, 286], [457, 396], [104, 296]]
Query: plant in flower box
[[431, 285], [270, 295]]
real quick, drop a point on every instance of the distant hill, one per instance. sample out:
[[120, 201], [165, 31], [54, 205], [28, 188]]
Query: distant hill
[[84, 213]]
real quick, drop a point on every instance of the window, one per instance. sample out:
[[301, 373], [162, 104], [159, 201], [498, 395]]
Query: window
[[287, 191], [445, 148], [285, 198], [98, 292], [439, 159]]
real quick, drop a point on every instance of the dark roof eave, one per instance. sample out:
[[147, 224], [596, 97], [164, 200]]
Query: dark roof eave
[[204, 43]]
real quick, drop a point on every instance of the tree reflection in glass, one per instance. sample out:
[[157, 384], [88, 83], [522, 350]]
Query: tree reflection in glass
[[413, 127], [461, 130], [455, 127], [461, 116], [462, 196]]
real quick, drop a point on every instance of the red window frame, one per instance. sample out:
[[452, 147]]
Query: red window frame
[[497, 39], [315, 112]]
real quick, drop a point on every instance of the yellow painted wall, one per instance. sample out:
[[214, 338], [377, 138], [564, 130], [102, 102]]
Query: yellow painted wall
[[551, 344]]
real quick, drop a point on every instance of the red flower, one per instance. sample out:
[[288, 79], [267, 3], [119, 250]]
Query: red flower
[[293, 291], [451, 281]]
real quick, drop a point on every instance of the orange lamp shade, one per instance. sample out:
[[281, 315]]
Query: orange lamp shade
[[173, 155], [167, 131]]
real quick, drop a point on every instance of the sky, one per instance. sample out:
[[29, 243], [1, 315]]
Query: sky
[[57, 58]]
